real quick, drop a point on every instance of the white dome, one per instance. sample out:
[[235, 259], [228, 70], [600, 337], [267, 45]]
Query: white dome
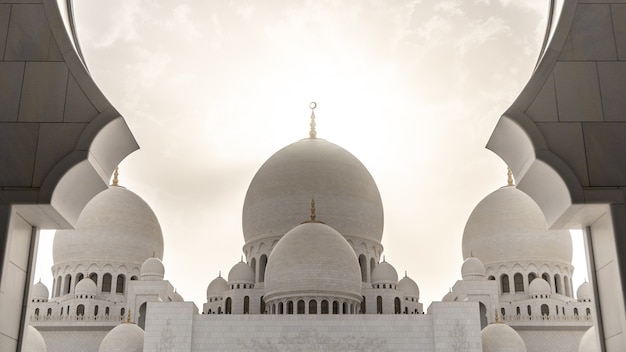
[[588, 342], [384, 273], [87, 287], [449, 297], [500, 337], [539, 286], [241, 273], [125, 337], [409, 287], [33, 341], [152, 270], [313, 260], [39, 292], [216, 288], [345, 193], [584, 291], [473, 269], [116, 225], [509, 219]]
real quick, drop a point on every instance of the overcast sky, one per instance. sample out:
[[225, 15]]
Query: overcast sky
[[211, 89]]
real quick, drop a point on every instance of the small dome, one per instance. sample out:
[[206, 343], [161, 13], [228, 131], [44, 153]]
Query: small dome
[[409, 287], [588, 342], [86, 287], [345, 192], [584, 292], [152, 270], [449, 297], [33, 341], [384, 273], [216, 288], [39, 292], [509, 218], [313, 260], [116, 225], [500, 337], [539, 286], [241, 273], [125, 337], [473, 269]]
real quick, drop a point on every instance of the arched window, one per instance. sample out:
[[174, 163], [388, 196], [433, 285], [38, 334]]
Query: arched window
[[588, 311], [345, 308], [280, 308], [335, 307], [483, 315], [301, 307], [517, 311], [397, 309], [363, 265], [123, 313], [557, 284], [491, 277], [262, 265], [229, 306], [312, 306], [219, 310], [106, 283], [406, 310], [246, 305], [94, 277], [49, 313], [363, 305], [530, 311], [372, 265], [79, 277], [36, 312], [379, 305], [106, 311], [61, 311], [531, 277], [262, 305], [502, 312], [518, 281], [121, 280], [324, 307], [68, 284], [95, 311], [143, 310], [290, 307], [80, 310], [504, 282], [253, 266], [545, 310], [576, 312], [133, 278]]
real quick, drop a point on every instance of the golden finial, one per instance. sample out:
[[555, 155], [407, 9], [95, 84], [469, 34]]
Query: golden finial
[[219, 273], [128, 317], [313, 216], [242, 258], [509, 173], [497, 316], [312, 133], [115, 174], [405, 275]]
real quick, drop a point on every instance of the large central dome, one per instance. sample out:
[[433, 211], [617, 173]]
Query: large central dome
[[345, 193]]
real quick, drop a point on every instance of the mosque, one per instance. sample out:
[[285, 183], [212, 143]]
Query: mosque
[[313, 275]]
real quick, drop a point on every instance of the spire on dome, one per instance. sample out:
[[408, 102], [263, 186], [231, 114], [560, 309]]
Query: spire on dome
[[115, 175], [313, 216], [312, 133], [509, 174], [128, 317]]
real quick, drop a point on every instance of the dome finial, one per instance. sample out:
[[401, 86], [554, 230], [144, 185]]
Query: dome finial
[[219, 273], [509, 174], [497, 317], [115, 175], [405, 275], [313, 216], [312, 133], [242, 258], [128, 317]]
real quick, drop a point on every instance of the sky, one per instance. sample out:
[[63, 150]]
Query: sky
[[211, 89]]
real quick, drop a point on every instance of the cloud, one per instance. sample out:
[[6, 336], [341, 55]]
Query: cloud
[[480, 33]]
